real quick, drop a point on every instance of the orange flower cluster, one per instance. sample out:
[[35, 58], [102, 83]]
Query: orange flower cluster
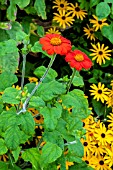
[[57, 44]]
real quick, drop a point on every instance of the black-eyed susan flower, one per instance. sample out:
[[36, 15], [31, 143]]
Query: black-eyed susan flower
[[53, 30], [100, 164], [87, 146], [89, 159], [110, 99], [99, 92], [61, 5], [98, 24], [64, 19], [89, 32], [109, 156], [100, 53], [110, 120], [77, 11], [32, 79], [103, 136]]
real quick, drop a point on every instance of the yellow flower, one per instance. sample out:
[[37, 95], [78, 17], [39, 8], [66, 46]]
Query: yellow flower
[[103, 136], [100, 53], [87, 146], [89, 159], [98, 24], [89, 32], [16, 87], [110, 99], [61, 5], [53, 31], [64, 19], [77, 11], [109, 156], [33, 79], [110, 120], [99, 92], [68, 164]]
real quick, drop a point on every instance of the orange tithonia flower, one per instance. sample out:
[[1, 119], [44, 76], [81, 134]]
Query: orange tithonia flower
[[78, 60], [55, 43]]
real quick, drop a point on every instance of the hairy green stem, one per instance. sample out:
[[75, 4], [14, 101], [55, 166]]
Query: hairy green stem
[[25, 104], [70, 82]]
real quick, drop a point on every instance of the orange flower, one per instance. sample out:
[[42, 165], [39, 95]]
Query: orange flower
[[55, 43], [78, 60]]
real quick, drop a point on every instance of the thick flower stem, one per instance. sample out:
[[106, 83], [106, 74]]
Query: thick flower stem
[[25, 104], [70, 82]]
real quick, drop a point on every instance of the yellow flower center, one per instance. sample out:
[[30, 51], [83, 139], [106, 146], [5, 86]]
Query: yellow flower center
[[79, 57], [55, 41]]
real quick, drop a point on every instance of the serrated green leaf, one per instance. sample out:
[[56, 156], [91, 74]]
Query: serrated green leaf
[[36, 101], [22, 4], [11, 95], [27, 123], [33, 156], [40, 31], [51, 116], [55, 89], [50, 153], [3, 165], [38, 48], [3, 148], [39, 72], [7, 79], [78, 80], [16, 153], [12, 137], [9, 56], [40, 8], [12, 11], [107, 32], [102, 10]]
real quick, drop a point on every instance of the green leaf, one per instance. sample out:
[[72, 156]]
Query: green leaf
[[3, 165], [50, 153], [108, 1], [93, 3], [27, 123], [55, 89], [9, 56], [11, 95], [102, 10], [16, 153], [54, 137], [33, 156], [36, 102], [38, 48], [12, 137], [22, 4], [107, 32], [3, 148], [7, 79], [12, 11], [51, 116], [81, 166], [40, 8], [39, 72], [98, 107], [40, 31], [78, 80]]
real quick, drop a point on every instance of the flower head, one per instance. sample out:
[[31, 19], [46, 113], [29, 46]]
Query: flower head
[[78, 60], [64, 19], [99, 92], [53, 31], [77, 11], [100, 53], [61, 5], [55, 43], [89, 32], [98, 24]]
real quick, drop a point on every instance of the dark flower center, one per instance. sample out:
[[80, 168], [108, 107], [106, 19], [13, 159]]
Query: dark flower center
[[87, 162], [100, 52], [103, 135], [85, 143], [101, 162], [83, 124], [100, 91], [97, 145], [100, 22], [63, 17], [62, 5], [77, 9], [91, 32]]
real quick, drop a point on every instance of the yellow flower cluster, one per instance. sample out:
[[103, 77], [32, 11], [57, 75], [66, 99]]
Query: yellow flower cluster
[[98, 143]]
